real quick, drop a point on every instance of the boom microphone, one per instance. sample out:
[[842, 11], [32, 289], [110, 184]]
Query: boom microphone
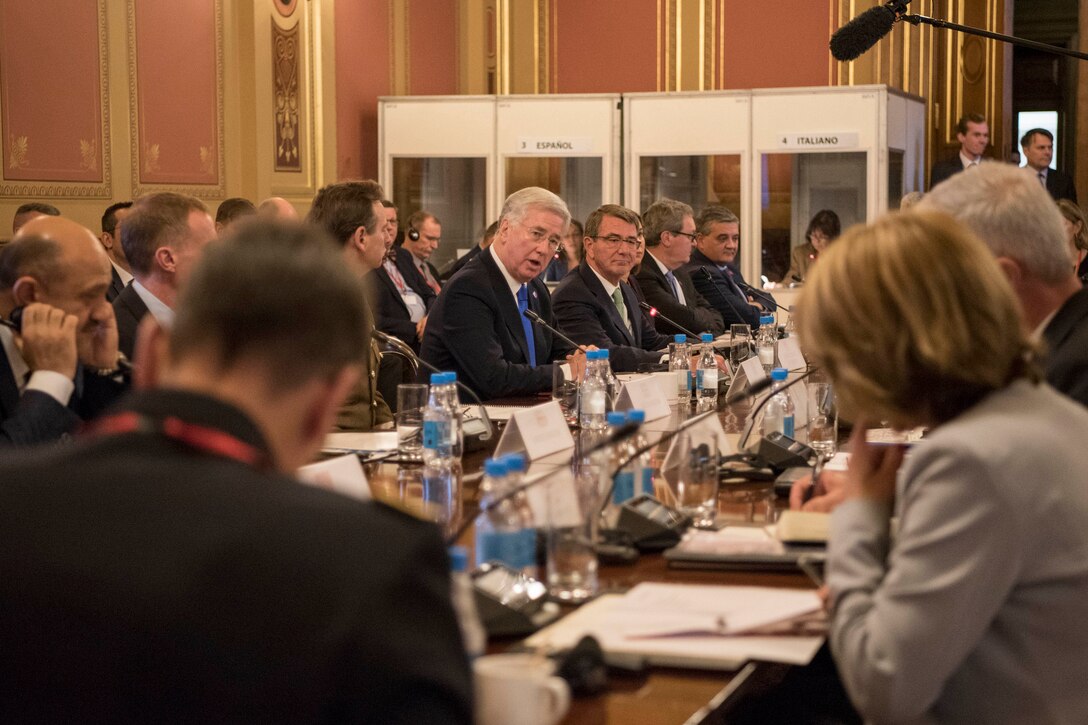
[[866, 30], [653, 312], [540, 321]]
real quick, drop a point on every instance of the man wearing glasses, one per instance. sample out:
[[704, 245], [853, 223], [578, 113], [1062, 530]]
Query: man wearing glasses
[[477, 327], [716, 245], [670, 233], [595, 306]]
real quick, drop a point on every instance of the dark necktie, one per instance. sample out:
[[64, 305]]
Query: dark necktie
[[526, 323], [672, 283]]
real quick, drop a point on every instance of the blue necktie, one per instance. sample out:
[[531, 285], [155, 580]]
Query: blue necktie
[[526, 323], [672, 282]]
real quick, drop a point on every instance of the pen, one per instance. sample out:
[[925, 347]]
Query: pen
[[816, 471]]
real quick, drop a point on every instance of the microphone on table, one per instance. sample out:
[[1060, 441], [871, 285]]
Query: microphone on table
[[866, 30], [654, 312], [725, 294], [540, 321], [403, 347], [760, 294]]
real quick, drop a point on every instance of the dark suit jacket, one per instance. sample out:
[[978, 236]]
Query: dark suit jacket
[[717, 290], [391, 313], [589, 317], [453, 267], [144, 581], [406, 263], [129, 309], [116, 285], [697, 315], [1067, 342], [474, 329], [1060, 185], [36, 417], [944, 169]]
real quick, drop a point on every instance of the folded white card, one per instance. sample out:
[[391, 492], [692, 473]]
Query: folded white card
[[536, 431], [343, 474], [644, 393]]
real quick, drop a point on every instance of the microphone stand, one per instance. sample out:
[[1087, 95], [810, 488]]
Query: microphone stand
[[760, 294], [653, 312], [540, 321], [937, 23], [403, 348], [710, 278]]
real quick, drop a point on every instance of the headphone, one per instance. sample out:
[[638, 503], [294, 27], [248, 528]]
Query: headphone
[[413, 234]]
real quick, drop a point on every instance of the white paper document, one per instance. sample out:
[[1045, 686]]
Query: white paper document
[[371, 442], [343, 474]]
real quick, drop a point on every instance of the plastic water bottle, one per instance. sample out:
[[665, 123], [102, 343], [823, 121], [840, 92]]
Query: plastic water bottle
[[623, 481], [778, 416], [644, 471], [437, 424], [502, 532], [464, 603], [593, 392], [706, 372], [680, 365], [452, 402], [766, 341]]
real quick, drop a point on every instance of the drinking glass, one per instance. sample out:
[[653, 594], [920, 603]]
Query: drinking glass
[[411, 400], [740, 345], [565, 392], [694, 482], [571, 535], [823, 426]]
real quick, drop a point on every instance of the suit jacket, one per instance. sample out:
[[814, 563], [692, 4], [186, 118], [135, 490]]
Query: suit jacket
[[129, 309], [801, 258], [557, 269], [944, 169], [475, 330], [116, 285], [587, 314], [406, 263], [392, 315], [455, 266], [364, 407], [1067, 342], [175, 585], [697, 315], [719, 292], [36, 417], [1060, 185]]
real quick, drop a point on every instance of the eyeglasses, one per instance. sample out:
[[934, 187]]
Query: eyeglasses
[[614, 239], [539, 235], [689, 235]]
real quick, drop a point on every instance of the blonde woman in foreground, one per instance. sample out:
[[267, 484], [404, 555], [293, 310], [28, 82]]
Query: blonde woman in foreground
[[976, 611]]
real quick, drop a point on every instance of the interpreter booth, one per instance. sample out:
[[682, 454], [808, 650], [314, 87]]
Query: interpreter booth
[[459, 157], [438, 153]]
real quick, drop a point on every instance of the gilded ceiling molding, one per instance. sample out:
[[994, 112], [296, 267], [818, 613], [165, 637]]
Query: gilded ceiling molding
[[209, 158], [76, 190]]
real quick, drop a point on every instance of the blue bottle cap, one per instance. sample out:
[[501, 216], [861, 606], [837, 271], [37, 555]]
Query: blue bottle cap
[[494, 467], [706, 337], [616, 418], [451, 377], [602, 354], [636, 416], [766, 319], [436, 378], [515, 462], [458, 558], [678, 339], [779, 374]]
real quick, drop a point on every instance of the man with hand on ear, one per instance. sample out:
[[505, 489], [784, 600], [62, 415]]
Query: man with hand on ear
[[61, 358]]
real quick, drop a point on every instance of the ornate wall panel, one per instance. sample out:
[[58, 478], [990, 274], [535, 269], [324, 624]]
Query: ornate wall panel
[[54, 87], [176, 95], [286, 70]]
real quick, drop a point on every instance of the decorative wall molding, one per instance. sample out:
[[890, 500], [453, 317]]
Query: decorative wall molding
[[146, 153], [19, 145], [287, 133]]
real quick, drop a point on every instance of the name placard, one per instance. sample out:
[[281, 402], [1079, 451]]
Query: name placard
[[790, 356], [343, 474], [644, 393], [819, 140], [554, 145], [536, 431]]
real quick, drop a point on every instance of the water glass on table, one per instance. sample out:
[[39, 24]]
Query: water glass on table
[[411, 400], [565, 392], [694, 484], [740, 345], [823, 426]]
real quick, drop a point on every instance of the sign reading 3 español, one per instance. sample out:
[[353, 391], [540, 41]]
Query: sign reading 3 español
[[554, 145]]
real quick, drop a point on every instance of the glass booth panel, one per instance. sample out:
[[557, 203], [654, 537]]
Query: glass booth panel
[[576, 180], [795, 187], [895, 178], [695, 180], [454, 190]]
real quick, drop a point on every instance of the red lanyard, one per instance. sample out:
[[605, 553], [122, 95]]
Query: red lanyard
[[201, 438]]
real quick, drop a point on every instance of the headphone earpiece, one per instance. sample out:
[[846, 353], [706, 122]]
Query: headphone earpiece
[[413, 234]]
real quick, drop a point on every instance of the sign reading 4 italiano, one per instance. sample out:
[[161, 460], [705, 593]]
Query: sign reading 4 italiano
[[818, 140]]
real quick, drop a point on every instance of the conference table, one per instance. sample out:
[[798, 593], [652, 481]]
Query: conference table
[[655, 695]]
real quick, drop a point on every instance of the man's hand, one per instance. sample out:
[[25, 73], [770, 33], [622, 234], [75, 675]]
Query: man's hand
[[577, 362], [873, 468], [98, 341], [48, 339], [420, 326], [830, 492]]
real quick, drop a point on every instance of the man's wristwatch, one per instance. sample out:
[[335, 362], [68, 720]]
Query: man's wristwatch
[[121, 366]]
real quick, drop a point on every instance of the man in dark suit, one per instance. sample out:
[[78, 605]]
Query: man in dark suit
[[111, 241], [594, 306], [973, 133], [169, 568], [399, 295], [453, 267], [477, 329], [1038, 146], [1009, 211], [717, 242], [669, 227], [162, 237], [422, 238], [56, 273]]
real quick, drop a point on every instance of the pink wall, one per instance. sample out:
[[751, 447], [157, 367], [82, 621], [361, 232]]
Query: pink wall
[[362, 74], [50, 91], [177, 99], [433, 47], [605, 46], [778, 48]]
